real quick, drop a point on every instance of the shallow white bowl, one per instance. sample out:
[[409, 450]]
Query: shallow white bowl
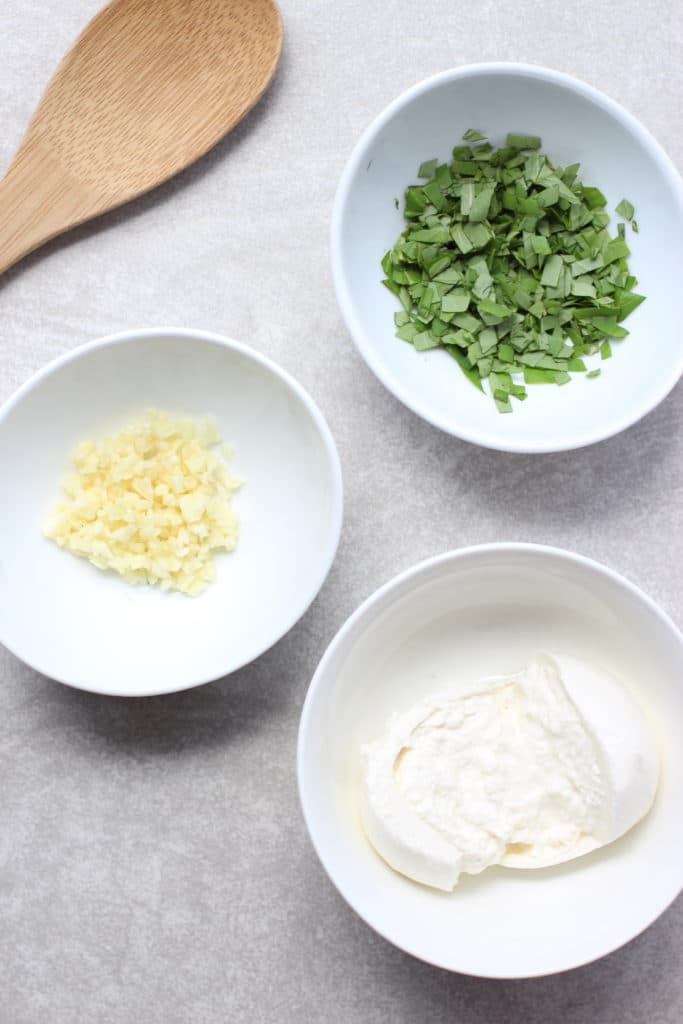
[[88, 628], [477, 612], [576, 123]]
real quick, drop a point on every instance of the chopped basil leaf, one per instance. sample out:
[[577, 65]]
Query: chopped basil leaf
[[472, 135], [625, 210], [427, 169], [522, 141], [506, 261]]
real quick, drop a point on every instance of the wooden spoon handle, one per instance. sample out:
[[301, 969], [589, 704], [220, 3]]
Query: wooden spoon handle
[[37, 202]]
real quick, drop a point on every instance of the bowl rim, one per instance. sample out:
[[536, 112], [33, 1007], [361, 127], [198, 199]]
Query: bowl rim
[[344, 636], [333, 465], [345, 301]]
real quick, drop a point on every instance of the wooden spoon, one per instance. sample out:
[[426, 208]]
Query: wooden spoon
[[147, 88]]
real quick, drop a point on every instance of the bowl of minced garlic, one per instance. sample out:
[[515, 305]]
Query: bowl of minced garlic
[[152, 502]]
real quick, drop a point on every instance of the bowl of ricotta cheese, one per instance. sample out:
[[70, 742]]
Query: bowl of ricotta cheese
[[489, 764]]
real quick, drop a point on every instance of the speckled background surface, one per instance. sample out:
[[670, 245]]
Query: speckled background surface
[[153, 861]]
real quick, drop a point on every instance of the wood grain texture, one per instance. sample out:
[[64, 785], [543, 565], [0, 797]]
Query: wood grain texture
[[147, 88]]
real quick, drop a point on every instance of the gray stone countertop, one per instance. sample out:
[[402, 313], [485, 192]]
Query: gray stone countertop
[[154, 865]]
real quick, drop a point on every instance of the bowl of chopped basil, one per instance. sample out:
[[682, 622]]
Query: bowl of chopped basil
[[508, 240]]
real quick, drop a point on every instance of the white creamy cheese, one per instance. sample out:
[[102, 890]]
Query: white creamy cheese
[[526, 771]]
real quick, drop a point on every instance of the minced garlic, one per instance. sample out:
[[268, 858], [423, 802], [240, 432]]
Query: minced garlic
[[151, 502]]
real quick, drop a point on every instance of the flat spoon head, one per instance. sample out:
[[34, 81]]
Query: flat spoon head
[[147, 88]]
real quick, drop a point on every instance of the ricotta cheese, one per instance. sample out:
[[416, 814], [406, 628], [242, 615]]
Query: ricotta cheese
[[525, 771]]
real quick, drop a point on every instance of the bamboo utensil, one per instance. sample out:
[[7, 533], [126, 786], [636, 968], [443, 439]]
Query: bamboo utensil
[[147, 88]]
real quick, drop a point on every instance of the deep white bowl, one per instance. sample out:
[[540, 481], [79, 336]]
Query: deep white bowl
[[472, 613], [90, 629], [576, 123]]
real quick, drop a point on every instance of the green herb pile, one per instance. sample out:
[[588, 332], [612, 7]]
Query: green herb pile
[[507, 263]]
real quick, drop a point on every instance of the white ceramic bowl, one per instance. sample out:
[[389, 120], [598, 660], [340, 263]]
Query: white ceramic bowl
[[617, 154], [90, 629], [471, 613]]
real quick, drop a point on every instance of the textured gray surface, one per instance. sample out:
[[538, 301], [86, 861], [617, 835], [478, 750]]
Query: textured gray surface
[[153, 860]]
